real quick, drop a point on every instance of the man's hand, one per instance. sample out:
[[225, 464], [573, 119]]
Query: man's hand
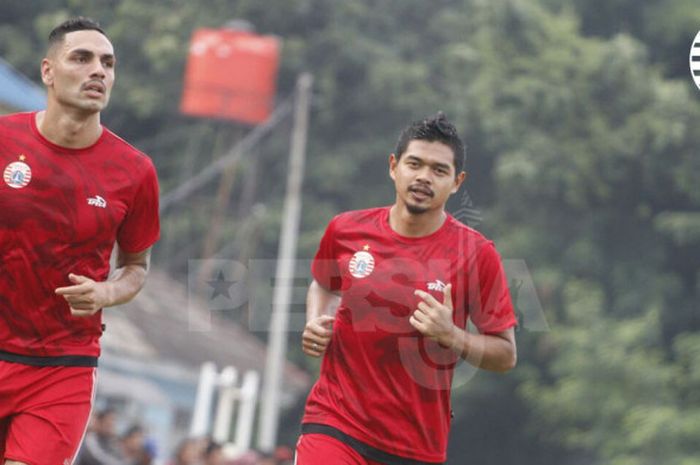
[[317, 334], [86, 296], [434, 319]]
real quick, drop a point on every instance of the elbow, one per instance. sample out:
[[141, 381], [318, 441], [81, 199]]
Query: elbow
[[512, 362], [508, 363]]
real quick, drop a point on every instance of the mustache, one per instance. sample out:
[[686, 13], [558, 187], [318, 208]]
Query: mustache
[[95, 83], [421, 188]]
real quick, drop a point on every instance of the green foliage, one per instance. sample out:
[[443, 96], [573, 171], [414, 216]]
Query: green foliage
[[616, 392]]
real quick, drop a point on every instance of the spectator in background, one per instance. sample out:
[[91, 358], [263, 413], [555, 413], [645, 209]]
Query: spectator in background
[[189, 452], [284, 455], [266, 458], [213, 453], [135, 448], [101, 445]]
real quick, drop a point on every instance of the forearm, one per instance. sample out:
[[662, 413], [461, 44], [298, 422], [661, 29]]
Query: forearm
[[486, 351], [125, 283], [320, 301], [85, 296]]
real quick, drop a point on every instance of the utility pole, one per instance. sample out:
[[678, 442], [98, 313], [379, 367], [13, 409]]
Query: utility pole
[[279, 321]]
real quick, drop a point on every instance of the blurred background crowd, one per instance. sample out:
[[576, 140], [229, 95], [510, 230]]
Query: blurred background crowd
[[105, 444]]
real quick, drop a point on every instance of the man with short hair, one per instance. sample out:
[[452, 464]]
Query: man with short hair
[[388, 307], [70, 190]]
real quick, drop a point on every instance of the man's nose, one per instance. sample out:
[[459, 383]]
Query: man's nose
[[425, 175], [98, 70]]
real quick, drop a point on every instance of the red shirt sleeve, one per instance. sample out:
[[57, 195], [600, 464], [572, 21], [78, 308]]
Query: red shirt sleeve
[[490, 306], [324, 267], [141, 226]]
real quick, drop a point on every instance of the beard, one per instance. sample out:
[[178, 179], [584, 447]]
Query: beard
[[416, 209]]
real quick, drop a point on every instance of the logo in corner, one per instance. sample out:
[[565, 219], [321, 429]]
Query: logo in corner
[[361, 264], [695, 59], [97, 201], [17, 174]]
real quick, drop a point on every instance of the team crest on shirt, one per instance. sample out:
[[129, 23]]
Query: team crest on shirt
[[17, 174], [362, 263]]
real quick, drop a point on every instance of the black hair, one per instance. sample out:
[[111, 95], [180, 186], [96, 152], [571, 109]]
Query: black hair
[[132, 430], [433, 129], [80, 23], [105, 412]]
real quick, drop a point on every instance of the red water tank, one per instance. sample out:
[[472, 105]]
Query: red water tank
[[231, 74]]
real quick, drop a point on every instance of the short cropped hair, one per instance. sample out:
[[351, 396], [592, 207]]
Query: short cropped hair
[[433, 129], [81, 23]]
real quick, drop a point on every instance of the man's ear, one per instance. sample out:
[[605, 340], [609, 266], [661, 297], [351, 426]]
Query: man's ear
[[392, 166], [47, 71], [458, 181]]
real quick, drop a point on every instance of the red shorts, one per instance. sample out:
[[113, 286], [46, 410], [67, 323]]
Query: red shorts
[[43, 412], [319, 449]]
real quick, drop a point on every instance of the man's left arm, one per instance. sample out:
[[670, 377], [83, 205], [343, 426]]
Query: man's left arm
[[492, 351], [87, 296]]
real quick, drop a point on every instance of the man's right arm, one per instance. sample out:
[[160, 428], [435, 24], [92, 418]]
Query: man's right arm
[[320, 308]]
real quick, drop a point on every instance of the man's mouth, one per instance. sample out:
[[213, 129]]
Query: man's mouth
[[421, 191], [94, 87]]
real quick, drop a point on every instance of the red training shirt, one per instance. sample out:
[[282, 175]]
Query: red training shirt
[[384, 389], [61, 211]]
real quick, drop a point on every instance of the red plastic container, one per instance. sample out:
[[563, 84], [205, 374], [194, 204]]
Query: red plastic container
[[231, 74]]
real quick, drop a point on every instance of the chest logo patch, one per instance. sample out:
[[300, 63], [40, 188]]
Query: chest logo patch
[[17, 174], [97, 201], [361, 264], [437, 285]]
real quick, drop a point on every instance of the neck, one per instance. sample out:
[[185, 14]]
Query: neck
[[415, 225], [72, 130]]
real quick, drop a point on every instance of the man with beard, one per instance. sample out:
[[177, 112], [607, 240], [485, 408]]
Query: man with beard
[[388, 307]]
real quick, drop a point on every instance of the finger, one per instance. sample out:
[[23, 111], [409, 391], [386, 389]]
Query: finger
[[76, 303], [424, 308], [71, 290], [324, 322], [419, 316], [416, 323], [76, 289], [81, 285], [308, 352], [310, 338], [312, 353], [447, 301], [426, 297], [81, 313], [83, 306], [315, 346], [313, 349], [320, 331]]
